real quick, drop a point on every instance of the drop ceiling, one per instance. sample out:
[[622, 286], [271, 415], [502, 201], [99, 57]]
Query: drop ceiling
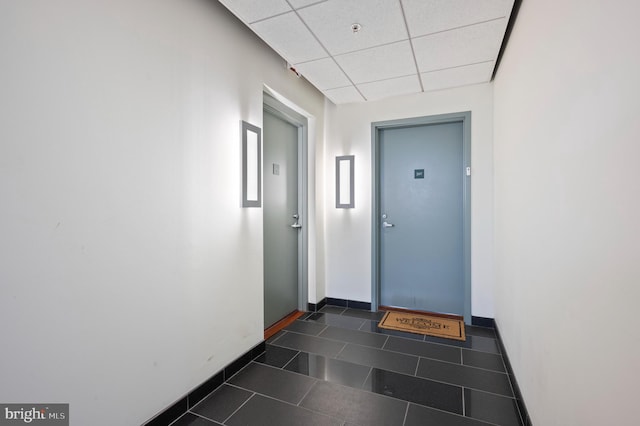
[[401, 47]]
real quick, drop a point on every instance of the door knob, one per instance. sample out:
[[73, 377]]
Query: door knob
[[296, 224], [386, 224]]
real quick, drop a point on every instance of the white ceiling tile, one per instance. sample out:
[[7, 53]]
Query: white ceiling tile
[[463, 46], [455, 42], [323, 73], [378, 63], [343, 95], [250, 10], [391, 87], [430, 16], [381, 20], [302, 3], [287, 35], [460, 76]]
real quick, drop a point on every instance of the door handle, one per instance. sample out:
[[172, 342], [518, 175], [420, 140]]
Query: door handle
[[386, 224], [296, 224]]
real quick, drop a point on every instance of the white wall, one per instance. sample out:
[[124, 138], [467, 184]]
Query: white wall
[[348, 231], [567, 99], [129, 272]]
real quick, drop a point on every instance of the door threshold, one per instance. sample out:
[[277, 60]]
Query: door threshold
[[414, 311], [284, 322]]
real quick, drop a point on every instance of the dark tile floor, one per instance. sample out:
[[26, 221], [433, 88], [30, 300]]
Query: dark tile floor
[[336, 367]]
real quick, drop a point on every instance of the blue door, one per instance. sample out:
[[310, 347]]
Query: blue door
[[422, 174]]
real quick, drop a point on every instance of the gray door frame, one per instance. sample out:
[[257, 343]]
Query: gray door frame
[[376, 127], [280, 110]]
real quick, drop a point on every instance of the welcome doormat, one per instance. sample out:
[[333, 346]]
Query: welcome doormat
[[424, 324]]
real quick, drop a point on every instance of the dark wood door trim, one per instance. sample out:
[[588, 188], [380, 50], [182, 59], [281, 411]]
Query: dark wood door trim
[[270, 331]]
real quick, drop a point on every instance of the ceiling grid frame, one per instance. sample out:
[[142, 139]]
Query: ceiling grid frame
[[452, 43], [323, 46], [413, 52]]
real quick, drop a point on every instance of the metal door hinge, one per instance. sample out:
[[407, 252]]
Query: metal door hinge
[[468, 171]]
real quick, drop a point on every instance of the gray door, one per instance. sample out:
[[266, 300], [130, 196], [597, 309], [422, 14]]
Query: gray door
[[280, 204], [421, 207]]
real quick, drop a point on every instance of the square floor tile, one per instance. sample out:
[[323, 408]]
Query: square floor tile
[[360, 313], [463, 375], [379, 358], [424, 349], [276, 356], [355, 406], [329, 369], [415, 389], [477, 343], [305, 315], [328, 309], [474, 330], [270, 381], [491, 408], [222, 403], [190, 419], [263, 411], [306, 343], [419, 416], [275, 336], [483, 360], [354, 336], [306, 327], [372, 326], [337, 320]]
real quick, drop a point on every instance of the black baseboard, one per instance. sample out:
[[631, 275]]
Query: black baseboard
[[346, 303], [483, 322], [170, 414], [524, 413], [336, 302], [354, 304], [199, 393], [178, 408], [315, 307]]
